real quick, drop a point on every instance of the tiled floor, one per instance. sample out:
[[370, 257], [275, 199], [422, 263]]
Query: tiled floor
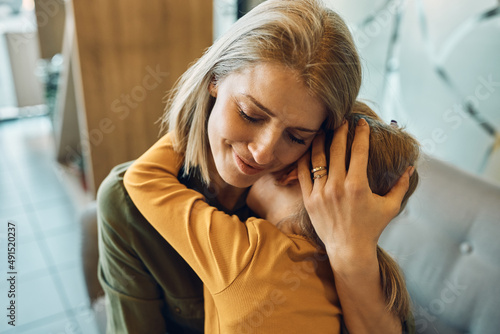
[[51, 295]]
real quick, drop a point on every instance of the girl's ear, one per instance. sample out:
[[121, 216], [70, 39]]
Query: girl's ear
[[289, 178], [212, 88]]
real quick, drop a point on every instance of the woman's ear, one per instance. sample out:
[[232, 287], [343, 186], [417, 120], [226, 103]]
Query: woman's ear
[[289, 178], [212, 88]]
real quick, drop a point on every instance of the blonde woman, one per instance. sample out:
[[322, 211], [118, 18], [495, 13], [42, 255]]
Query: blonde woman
[[250, 106], [272, 276]]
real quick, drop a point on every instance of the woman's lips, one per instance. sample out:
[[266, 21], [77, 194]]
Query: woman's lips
[[244, 167]]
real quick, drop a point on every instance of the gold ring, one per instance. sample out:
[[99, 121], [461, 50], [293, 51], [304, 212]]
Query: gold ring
[[319, 176], [317, 169]]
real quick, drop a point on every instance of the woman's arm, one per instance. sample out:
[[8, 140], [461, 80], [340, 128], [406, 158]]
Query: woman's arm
[[217, 246], [349, 219]]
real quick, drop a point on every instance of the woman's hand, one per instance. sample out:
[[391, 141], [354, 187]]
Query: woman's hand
[[349, 219], [346, 215]]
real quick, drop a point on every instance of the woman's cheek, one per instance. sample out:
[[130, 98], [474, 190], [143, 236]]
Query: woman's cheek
[[291, 155], [229, 124]]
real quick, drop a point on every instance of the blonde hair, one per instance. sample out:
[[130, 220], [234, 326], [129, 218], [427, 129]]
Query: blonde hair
[[302, 35], [392, 150]]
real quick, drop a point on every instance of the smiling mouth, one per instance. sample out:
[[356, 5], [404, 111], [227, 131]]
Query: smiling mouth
[[244, 167]]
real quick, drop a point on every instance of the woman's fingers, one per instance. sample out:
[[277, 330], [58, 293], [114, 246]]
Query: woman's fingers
[[319, 167], [337, 153], [395, 196], [359, 153], [305, 175]]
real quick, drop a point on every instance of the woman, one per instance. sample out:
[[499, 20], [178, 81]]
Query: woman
[[267, 276], [249, 106]]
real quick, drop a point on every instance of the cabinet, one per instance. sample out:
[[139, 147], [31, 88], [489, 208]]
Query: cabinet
[[126, 55]]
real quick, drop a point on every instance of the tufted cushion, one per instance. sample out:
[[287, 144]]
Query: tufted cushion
[[447, 243]]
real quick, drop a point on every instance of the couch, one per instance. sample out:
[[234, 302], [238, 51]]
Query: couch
[[446, 241]]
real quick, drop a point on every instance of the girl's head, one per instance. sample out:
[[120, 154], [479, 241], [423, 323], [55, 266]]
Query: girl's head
[[300, 38], [392, 150]]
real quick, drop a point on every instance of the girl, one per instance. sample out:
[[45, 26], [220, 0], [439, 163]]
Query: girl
[[268, 276]]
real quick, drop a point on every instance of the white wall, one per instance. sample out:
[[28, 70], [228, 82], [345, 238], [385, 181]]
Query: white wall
[[425, 63], [225, 14]]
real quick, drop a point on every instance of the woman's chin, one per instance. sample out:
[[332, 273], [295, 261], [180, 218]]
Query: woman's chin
[[238, 180]]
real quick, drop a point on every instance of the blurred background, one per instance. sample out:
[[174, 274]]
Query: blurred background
[[82, 85]]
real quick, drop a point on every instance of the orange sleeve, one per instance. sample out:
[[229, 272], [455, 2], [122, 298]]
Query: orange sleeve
[[217, 246]]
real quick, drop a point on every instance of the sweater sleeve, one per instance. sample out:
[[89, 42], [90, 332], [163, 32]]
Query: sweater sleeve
[[217, 246]]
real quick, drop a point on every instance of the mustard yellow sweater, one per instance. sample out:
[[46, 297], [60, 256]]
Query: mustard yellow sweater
[[256, 278]]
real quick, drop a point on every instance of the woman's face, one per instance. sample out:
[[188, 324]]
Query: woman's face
[[263, 120]]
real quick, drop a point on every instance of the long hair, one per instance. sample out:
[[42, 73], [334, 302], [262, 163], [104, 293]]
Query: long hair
[[302, 35], [391, 151]]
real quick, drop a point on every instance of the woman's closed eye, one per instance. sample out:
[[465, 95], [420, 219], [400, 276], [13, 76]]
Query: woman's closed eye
[[251, 119], [296, 140], [246, 117]]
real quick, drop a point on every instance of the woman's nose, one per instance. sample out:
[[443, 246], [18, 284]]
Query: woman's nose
[[263, 146]]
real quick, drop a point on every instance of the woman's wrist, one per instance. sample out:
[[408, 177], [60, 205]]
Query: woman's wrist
[[349, 261]]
